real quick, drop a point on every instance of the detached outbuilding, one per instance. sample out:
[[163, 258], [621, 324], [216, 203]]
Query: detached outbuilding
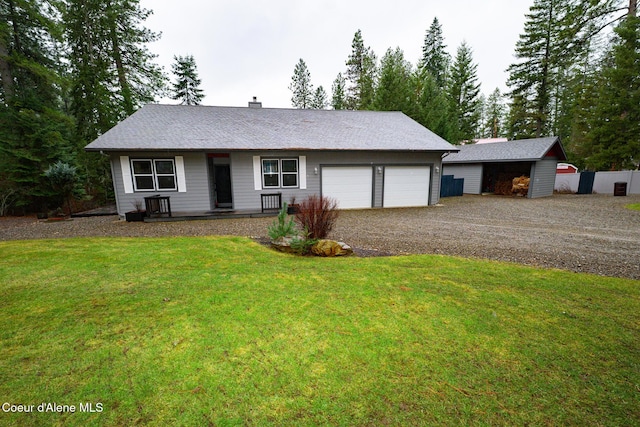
[[487, 167]]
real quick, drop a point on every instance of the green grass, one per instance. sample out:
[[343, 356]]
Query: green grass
[[633, 206], [222, 331]]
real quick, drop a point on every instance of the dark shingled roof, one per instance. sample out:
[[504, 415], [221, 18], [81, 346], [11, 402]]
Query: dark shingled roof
[[180, 128], [510, 151]]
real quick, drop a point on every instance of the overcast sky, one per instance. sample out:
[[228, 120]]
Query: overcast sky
[[246, 48]]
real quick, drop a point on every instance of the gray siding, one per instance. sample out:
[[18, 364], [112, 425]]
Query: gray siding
[[195, 199], [246, 197], [472, 174], [543, 178]]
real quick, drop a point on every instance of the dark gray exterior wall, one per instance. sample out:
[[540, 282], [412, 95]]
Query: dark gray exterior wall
[[197, 197], [472, 174], [543, 178]]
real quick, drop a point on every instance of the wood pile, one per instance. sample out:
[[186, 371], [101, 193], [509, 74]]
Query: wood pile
[[520, 185], [503, 188], [503, 184], [506, 185]]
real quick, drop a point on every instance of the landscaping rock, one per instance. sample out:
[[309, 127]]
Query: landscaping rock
[[331, 248], [283, 244]]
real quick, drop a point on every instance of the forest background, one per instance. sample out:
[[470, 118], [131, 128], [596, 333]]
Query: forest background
[[72, 69]]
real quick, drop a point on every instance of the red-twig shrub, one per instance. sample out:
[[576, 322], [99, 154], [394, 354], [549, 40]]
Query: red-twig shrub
[[317, 215]]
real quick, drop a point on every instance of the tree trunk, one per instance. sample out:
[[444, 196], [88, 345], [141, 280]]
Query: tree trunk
[[633, 7], [543, 91], [5, 72], [117, 57]]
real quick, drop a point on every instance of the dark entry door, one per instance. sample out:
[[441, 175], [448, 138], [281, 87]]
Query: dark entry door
[[223, 185]]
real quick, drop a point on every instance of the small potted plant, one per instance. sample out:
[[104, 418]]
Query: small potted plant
[[137, 214]]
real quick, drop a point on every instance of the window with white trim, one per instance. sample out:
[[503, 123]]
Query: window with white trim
[[154, 174], [279, 173]]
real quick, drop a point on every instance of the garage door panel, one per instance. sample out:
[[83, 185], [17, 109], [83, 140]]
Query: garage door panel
[[351, 186], [406, 186]]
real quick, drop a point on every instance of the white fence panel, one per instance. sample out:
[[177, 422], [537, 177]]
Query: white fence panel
[[567, 182], [604, 182]]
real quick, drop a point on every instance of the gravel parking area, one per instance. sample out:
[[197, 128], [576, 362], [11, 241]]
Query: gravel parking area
[[591, 233]]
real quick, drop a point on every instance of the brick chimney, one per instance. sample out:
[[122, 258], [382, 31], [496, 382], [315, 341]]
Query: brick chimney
[[255, 103]]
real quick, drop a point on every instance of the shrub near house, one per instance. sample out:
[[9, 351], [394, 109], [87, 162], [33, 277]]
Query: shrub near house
[[316, 216]]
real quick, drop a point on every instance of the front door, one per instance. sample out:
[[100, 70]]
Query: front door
[[222, 186]]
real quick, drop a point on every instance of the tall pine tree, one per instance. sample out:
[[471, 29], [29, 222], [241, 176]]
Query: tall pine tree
[[433, 109], [319, 101], [435, 59], [395, 89], [34, 130], [338, 94], [464, 91], [109, 55], [186, 87], [614, 136], [361, 71], [494, 111], [556, 34], [113, 73], [532, 79], [301, 86]]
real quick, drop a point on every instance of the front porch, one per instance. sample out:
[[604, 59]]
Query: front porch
[[214, 214]]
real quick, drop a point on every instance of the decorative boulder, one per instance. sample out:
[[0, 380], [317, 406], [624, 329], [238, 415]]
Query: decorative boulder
[[283, 244], [331, 248]]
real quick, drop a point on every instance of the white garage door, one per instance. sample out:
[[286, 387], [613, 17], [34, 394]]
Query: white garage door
[[406, 186], [351, 186]]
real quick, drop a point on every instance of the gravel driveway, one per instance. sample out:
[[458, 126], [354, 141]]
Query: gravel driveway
[[592, 233]]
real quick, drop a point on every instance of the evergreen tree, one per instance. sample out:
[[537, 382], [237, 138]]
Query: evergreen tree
[[533, 78], [338, 95], [556, 34], [113, 73], [361, 70], [435, 59], [433, 108], [301, 86], [494, 111], [482, 117], [186, 87], [614, 136], [34, 130], [464, 91], [394, 91], [319, 101], [109, 56]]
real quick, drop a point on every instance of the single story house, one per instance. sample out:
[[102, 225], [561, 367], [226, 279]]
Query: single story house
[[484, 165], [211, 158]]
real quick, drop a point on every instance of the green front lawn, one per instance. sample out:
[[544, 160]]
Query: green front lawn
[[222, 331]]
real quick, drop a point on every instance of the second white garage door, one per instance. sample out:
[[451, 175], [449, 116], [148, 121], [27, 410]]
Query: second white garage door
[[351, 186], [406, 186]]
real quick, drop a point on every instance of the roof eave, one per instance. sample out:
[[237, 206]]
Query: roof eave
[[176, 149]]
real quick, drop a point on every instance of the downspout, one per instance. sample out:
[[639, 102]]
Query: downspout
[[445, 154], [113, 181]]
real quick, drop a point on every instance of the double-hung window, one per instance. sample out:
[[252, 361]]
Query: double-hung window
[[279, 173], [154, 174]]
